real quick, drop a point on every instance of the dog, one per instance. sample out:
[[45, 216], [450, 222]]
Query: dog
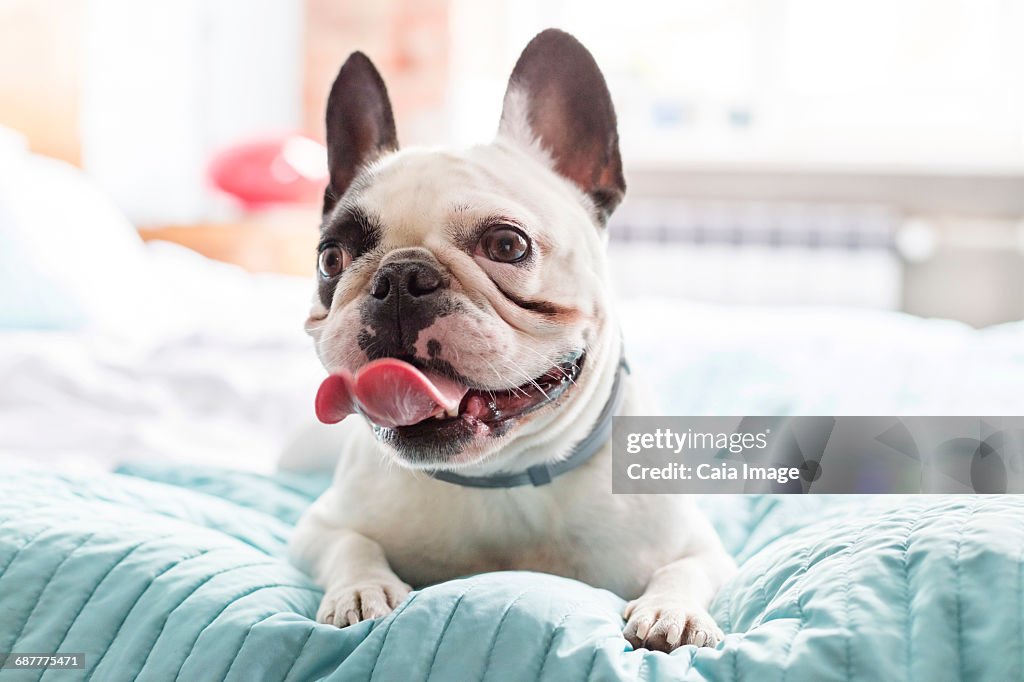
[[464, 316]]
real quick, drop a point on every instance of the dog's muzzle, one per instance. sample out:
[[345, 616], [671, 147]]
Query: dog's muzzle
[[405, 297]]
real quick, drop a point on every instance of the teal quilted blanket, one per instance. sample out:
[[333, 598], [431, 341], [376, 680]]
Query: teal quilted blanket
[[180, 574]]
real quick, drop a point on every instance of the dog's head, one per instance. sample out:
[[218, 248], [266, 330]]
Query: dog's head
[[462, 301]]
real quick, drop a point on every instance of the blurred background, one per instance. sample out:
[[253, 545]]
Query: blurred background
[[777, 151], [802, 175]]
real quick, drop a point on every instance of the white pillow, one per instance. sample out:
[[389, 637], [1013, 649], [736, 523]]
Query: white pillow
[[13, 146], [69, 255]]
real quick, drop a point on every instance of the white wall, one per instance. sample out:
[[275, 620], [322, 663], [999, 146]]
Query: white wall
[[167, 82], [932, 85]]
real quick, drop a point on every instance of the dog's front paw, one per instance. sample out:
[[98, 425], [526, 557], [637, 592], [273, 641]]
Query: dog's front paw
[[661, 625], [350, 604]]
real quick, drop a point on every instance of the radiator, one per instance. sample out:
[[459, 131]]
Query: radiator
[[757, 252]]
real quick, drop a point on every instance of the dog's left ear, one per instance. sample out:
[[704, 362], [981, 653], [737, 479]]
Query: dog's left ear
[[558, 97], [360, 125]]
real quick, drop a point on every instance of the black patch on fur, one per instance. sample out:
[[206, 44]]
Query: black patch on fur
[[433, 348], [352, 230]]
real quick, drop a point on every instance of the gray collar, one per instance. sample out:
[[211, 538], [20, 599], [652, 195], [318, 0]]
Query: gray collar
[[542, 474]]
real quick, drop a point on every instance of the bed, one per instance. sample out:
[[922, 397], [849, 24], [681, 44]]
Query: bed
[[143, 518], [178, 572]]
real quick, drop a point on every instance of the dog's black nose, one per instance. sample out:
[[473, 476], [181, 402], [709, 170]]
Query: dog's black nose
[[407, 278]]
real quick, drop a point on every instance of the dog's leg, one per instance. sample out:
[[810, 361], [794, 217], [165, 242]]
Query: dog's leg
[[357, 580], [672, 611]]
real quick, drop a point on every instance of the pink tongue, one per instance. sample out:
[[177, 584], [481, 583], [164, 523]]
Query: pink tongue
[[334, 398], [389, 392]]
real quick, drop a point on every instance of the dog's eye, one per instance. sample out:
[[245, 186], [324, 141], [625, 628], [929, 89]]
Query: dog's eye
[[333, 260], [505, 244]]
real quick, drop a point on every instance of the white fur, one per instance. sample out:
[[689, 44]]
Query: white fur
[[383, 525]]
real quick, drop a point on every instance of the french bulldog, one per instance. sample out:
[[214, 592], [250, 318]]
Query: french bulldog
[[463, 313]]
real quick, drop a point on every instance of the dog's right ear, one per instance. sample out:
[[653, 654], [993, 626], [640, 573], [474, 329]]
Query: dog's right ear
[[558, 98], [360, 125]]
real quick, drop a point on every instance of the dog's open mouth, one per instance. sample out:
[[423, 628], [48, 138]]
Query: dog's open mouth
[[395, 394]]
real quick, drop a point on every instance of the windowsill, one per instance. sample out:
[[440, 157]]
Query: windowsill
[[994, 192]]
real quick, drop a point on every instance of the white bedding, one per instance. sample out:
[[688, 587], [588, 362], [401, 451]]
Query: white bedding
[[708, 359], [213, 367]]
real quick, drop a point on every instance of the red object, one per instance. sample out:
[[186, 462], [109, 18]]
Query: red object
[[279, 169]]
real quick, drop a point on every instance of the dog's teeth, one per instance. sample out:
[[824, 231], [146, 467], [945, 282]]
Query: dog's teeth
[[453, 412]]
